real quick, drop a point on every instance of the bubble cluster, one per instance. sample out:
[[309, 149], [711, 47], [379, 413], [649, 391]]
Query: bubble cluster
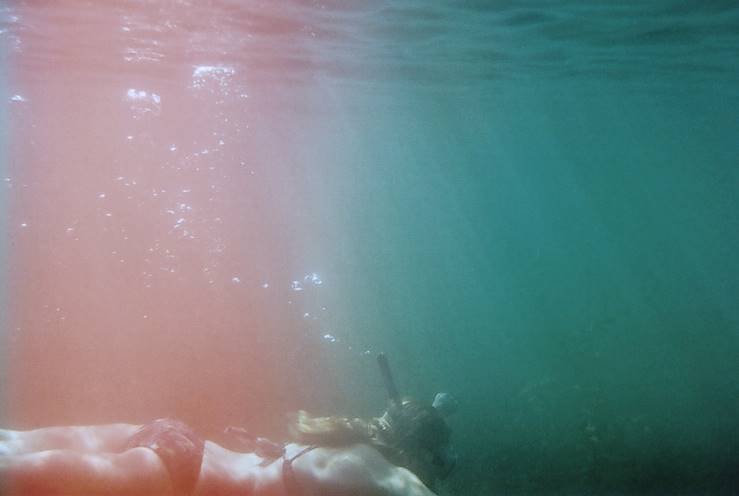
[[216, 78], [144, 103]]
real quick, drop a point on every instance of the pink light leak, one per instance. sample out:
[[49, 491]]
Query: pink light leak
[[153, 183]]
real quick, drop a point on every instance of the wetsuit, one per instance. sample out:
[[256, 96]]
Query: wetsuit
[[180, 449]]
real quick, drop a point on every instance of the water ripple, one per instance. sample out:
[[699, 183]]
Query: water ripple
[[407, 41]]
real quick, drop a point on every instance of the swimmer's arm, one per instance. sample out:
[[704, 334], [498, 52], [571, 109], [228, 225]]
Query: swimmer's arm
[[363, 471], [402, 482]]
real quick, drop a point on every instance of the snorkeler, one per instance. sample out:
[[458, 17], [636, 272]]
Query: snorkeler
[[403, 453]]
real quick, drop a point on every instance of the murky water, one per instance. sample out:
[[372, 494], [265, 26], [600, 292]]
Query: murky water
[[222, 211]]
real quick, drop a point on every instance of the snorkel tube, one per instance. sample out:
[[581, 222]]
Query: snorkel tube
[[443, 458], [387, 378]]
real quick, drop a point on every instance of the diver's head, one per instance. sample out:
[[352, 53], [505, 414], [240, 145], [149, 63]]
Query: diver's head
[[415, 426], [418, 437]]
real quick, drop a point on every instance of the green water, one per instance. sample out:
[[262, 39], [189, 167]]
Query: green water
[[557, 247], [562, 257], [564, 260]]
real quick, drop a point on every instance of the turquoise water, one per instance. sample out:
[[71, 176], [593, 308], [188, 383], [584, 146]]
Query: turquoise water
[[567, 267], [561, 256], [532, 205], [549, 230]]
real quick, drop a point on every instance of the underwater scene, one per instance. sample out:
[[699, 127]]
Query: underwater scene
[[224, 211]]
